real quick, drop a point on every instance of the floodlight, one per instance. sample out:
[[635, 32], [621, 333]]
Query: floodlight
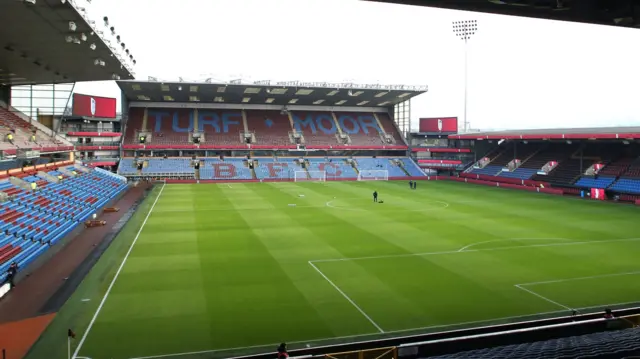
[[72, 26], [32, 2], [127, 51], [76, 41], [123, 45], [69, 39], [464, 30], [113, 30], [118, 38], [106, 21], [115, 77], [92, 46], [134, 62], [83, 37]]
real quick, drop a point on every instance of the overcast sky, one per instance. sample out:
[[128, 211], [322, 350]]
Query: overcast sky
[[523, 73]]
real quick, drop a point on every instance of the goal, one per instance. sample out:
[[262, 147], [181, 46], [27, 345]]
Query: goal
[[373, 175], [310, 176]]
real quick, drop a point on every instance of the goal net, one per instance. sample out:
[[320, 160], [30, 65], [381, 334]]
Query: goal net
[[313, 176], [373, 175]]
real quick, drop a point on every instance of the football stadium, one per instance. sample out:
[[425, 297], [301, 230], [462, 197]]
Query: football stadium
[[264, 219]]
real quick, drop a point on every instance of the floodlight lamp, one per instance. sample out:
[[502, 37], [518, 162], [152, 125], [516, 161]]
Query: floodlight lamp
[[32, 2], [113, 30], [106, 21], [72, 26], [123, 45], [83, 37], [63, 1], [68, 39], [127, 51], [76, 41], [134, 62], [118, 38], [92, 46]]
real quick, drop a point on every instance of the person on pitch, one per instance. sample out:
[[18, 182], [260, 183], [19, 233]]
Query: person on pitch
[[415, 184], [411, 184], [375, 196]]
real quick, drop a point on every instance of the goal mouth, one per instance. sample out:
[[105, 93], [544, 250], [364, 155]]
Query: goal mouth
[[310, 176], [373, 175]]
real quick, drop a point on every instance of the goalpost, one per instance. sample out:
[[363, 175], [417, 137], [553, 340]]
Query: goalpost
[[373, 175], [310, 176]]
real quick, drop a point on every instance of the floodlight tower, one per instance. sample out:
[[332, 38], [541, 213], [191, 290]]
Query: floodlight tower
[[464, 30]]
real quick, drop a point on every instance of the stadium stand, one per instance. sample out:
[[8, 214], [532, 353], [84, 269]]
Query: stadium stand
[[336, 168], [318, 128], [33, 221], [220, 128], [612, 344], [363, 129], [626, 185], [281, 168], [617, 167], [22, 132], [269, 127], [227, 169], [592, 182], [633, 171], [268, 168], [389, 127]]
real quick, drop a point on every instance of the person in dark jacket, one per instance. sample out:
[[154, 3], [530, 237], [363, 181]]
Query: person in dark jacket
[[11, 274], [375, 196], [282, 351]]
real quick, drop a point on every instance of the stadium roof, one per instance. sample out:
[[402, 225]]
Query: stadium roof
[[278, 94], [34, 47], [607, 12], [555, 134]]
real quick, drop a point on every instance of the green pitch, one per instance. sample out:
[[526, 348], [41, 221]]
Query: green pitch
[[229, 269]]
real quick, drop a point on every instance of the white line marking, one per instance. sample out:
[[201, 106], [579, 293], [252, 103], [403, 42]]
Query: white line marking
[[473, 250], [373, 335], [510, 239], [543, 297], [347, 298], [228, 185], [104, 299], [579, 278]]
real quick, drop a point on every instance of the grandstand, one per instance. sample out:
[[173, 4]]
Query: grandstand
[[246, 123], [572, 160]]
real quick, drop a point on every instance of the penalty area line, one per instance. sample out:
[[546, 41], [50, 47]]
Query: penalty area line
[[347, 298], [115, 277]]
